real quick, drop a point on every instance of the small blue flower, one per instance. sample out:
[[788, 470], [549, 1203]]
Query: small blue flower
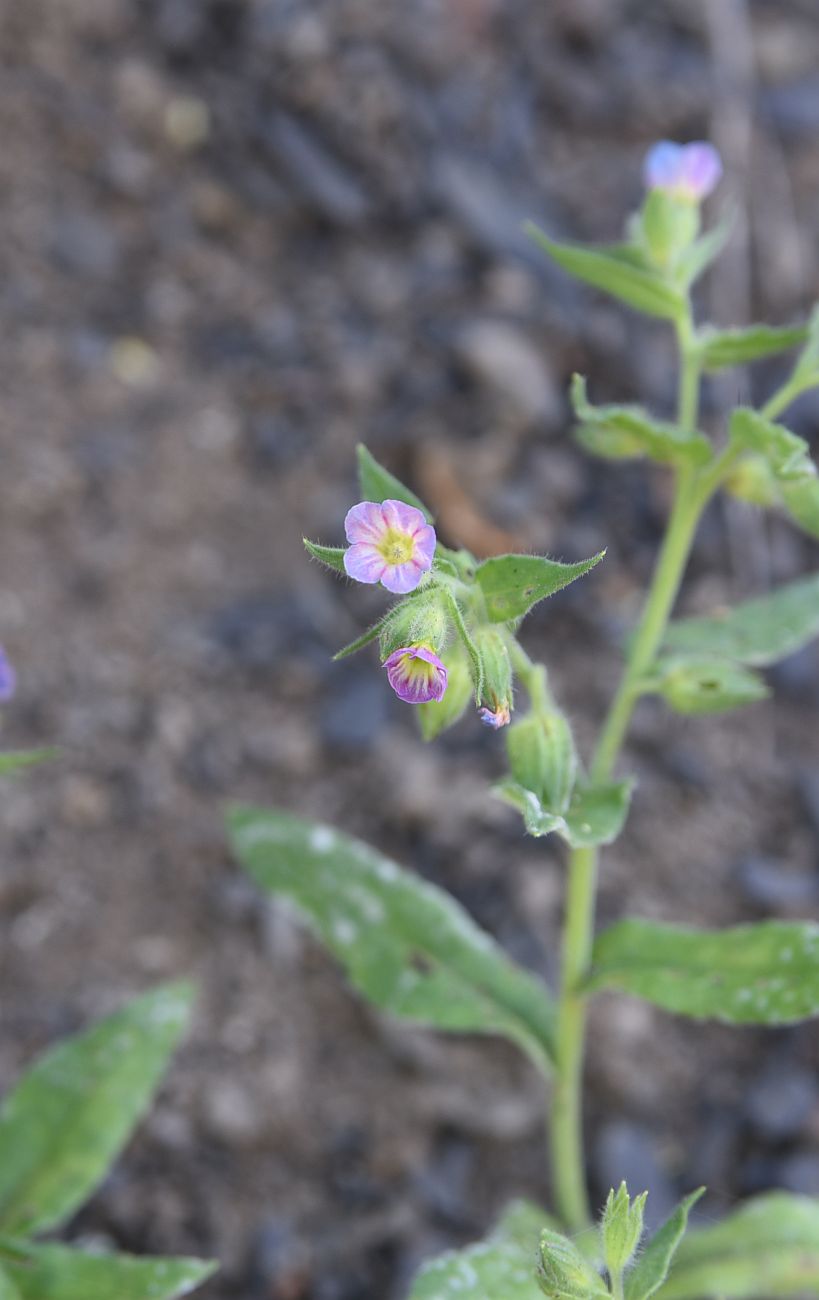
[[686, 171], [8, 677]]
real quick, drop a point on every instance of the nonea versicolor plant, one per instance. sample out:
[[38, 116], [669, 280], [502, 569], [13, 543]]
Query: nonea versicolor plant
[[451, 640]]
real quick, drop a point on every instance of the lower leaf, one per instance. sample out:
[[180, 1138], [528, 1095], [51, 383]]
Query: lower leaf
[[503, 1266], [60, 1273], [596, 814]]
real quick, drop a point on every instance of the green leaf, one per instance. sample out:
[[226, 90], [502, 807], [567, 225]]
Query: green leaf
[[500, 1268], [332, 556], [769, 1247], [654, 1261], [596, 814], [789, 460], [404, 944], [705, 684], [60, 1273], [74, 1110], [378, 484], [513, 584], [735, 347], [758, 632], [623, 432], [764, 974], [704, 251], [18, 759], [8, 1291], [640, 288]]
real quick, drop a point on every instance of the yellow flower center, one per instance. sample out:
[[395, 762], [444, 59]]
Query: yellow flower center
[[396, 547]]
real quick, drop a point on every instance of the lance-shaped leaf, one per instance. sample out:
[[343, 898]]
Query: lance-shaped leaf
[[769, 1247], [789, 460], [513, 584], [639, 287], [652, 1265], [378, 484], [331, 556], [757, 632], [18, 759], [404, 944], [502, 1266], [73, 1111], [596, 813], [705, 684], [623, 432], [735, 347], [764, 974], [705, 250], [60, 1273]]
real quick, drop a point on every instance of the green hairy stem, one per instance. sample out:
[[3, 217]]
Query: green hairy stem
[[692, 493]]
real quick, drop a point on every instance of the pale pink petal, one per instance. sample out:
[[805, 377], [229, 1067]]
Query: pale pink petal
[[407, 519], [364, 562], [425, 546], [701, 169], [417, 687], [365, 523], [401, 578]]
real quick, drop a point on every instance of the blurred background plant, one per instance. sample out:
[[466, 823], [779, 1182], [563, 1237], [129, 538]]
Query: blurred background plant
[[239, 239]]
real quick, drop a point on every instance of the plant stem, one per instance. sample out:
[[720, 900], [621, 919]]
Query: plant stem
[[692, 493]]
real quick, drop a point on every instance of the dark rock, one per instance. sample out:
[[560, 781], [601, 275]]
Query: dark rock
[[85, 245], [444, 1184], [794, 109], [275, 442], [320, 177], [780, 1101], [254, 632], [181, 25], [773, 886], [800, 1173], [808, 787], [355, 707], [625, 1150], [798, 674], [277, 1266]]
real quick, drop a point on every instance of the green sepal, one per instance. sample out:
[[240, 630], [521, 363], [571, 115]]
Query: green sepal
[[624, 432], [16, 760], [514, 584], [378, 484], [496, 670], [641, 288], [789, 460], [701, 683], [564, 1273], [596, 814], [405, 945], [543, 758], [503, 1265], [759, 631], [61, 1273], [436, 716], [331, 556], [72, 1112], [752, 479], [651, 1267], [668, 226], [418, 621], [621, 1228], [763, 974], [768, 1247], [720, 349]]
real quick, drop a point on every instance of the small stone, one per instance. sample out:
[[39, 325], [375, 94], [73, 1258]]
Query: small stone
[[625, 1150], [322, 179], [780, 1102], [800, 1174], [355, 707], [775, 887], [500, 356], [85, 245], [230, 1113]]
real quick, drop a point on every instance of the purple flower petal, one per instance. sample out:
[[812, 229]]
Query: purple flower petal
[[404, 518], [499, 718], [425, 542], [401, 578], [416, 674], [8, 677], [701, 169], [364, 523], [663, 162], [365, 563]]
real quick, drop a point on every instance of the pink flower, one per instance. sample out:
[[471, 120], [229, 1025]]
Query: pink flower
[[416, 674], [686, 171], [392, 543]]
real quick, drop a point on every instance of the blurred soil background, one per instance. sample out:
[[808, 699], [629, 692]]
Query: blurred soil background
[[237, 237]]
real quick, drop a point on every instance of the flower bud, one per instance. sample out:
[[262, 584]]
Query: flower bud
[[621, 1228], [496, 672], [563, 1273], [418, 620], [668, 225], [543, 758]]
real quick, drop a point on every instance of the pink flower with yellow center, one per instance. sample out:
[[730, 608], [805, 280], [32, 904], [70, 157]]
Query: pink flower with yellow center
[[686, 171], [391, 543], [416, 674]]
